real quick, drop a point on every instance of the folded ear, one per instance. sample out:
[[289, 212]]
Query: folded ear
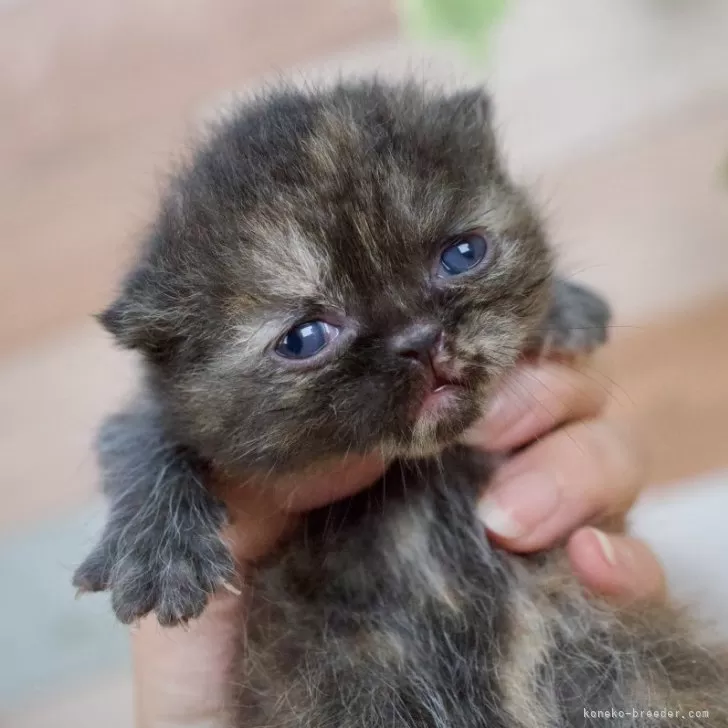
[[469, 115], [471, 107], [136, 318]]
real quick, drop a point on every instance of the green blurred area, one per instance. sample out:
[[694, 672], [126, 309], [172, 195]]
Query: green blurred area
[[466, 22]]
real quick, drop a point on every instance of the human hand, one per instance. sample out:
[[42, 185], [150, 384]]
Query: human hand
[[574, 467]]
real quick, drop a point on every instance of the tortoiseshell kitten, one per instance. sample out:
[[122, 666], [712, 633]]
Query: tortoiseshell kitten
[[348, 271]]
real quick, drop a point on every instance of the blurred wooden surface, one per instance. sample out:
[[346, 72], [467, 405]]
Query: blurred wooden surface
[[671, 382]]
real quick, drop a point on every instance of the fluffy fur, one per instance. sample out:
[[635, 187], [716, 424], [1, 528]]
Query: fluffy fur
[[390, 608]]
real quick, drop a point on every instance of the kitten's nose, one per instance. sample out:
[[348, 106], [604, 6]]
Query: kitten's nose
[[418, 341]]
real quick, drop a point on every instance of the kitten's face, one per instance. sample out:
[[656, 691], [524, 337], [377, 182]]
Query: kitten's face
[[337, 273]]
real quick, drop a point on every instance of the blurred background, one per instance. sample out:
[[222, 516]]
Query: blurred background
[[613, 112]]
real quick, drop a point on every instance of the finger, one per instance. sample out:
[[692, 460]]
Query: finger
[[329, 482], [579, 474], [181, 673], [258, 507], [616, 566], [534, 400]]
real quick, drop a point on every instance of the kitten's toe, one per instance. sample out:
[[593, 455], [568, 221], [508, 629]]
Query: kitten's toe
[[213, 565], [94, 572], [134, 592], [174, 582], [181, 595]]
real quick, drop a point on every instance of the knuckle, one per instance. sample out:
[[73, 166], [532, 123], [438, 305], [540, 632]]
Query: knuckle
[[627, 453], [574, 393], [597, 393], [614, 459]]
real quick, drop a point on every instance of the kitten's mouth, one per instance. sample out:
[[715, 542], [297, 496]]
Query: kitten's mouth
[[446, 404], [445, 374], [440, 385], [444, 392]]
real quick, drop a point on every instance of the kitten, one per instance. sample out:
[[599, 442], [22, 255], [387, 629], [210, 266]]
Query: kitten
[[349, 271]]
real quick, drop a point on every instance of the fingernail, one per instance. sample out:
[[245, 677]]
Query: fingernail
[[605, 546], [497, 520], [515, 508]]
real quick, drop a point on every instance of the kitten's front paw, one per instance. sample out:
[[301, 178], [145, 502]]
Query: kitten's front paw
[[577, 322], [170, 569]]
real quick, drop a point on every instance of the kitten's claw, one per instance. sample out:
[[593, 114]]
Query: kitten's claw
[[231, 588]]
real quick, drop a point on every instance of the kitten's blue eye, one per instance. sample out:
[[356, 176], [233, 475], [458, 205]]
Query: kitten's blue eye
[[305, 340], [465, 253]]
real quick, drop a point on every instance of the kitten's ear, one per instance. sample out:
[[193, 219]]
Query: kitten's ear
[[472, 107], [134, 318]]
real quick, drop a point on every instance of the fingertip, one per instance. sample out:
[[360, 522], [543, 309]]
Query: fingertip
[[520, 511], [615, 566], [594, 564], [578, 473]]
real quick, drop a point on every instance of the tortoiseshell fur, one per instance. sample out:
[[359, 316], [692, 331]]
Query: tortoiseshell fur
[[389, 609]]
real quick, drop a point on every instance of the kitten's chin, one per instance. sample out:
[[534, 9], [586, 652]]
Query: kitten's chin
[[444, 416], [440, 402]]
